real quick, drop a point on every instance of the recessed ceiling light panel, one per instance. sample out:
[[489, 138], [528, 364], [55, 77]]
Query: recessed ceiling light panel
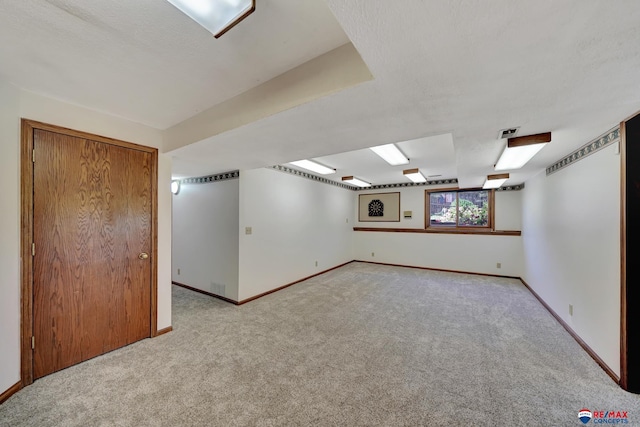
[[520, 150], [355, 181], [314, 167], [391, 154], [414, 175], [495, 181]]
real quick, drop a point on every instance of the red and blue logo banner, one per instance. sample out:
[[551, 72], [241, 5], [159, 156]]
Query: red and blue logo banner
[[603, 417]]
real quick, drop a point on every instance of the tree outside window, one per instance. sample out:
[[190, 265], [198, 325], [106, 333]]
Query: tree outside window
[[459, 208]]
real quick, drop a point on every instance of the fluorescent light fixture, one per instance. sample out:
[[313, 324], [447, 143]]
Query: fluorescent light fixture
[[175, 186], [355, 181], [495, 181], [520, 150], [391, 154], [314, 167], [414, 175], [217, 16]]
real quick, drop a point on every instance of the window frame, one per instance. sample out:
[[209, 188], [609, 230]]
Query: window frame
[[457, 228]]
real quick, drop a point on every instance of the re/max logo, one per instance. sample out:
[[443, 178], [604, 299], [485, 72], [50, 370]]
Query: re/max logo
[[609, 417], [610, 414]]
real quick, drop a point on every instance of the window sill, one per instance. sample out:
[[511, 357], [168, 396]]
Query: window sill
[[441, 231]]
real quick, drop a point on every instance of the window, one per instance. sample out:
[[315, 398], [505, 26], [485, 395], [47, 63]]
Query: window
[[460, 209]]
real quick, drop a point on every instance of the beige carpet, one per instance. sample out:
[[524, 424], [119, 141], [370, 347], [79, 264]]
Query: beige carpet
[[363, 345]]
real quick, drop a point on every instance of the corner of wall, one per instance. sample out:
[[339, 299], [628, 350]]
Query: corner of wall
[[10, 232]]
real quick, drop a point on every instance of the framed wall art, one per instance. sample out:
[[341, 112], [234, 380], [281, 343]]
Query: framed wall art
[[379, 207]]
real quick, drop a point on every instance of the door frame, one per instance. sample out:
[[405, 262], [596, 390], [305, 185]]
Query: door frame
[[26, 232]]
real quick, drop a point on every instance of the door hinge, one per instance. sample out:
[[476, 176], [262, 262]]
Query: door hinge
[[33, 249], [33, 155], [33, 343]]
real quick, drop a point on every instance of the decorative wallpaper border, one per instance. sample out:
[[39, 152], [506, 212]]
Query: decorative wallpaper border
[[517, 187], [312, 177], [211, 178], [596, 145], [409, 184]]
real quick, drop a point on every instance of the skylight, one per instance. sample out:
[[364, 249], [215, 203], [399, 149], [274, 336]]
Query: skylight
[[217, 16]]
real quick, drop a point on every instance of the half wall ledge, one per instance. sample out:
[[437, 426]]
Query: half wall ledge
[[441, 231]]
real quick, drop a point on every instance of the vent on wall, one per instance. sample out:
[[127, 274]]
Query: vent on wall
[[507, 133]]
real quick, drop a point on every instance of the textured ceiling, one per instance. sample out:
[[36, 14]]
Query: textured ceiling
[[457, 67], [146, 61], [434, 156]]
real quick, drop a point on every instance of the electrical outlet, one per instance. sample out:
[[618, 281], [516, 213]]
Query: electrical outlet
[[248, 230], [373, 254], [570, 309], [316, 263], [347, 220], [499, 265], [178, 272]]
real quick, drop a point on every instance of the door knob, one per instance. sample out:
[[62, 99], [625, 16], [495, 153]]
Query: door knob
[[143, 255]]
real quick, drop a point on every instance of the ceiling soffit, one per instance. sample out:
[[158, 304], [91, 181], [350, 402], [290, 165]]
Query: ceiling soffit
[[331, 72]]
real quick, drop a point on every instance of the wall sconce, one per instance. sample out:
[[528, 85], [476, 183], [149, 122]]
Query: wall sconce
[[355, 181], [175, 186], [217, 16], [414, 175], [520, 150], [495, 181]]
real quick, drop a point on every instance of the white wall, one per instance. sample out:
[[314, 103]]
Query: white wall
[[164, 241], [205, 237], [508, 214], [295, 222], [411, 199], [16, 104], [507, 206], [457, 252], [10, 240], [47, 110], [571, 241]]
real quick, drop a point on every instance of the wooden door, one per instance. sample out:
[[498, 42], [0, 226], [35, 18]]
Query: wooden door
[[92, 227]]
